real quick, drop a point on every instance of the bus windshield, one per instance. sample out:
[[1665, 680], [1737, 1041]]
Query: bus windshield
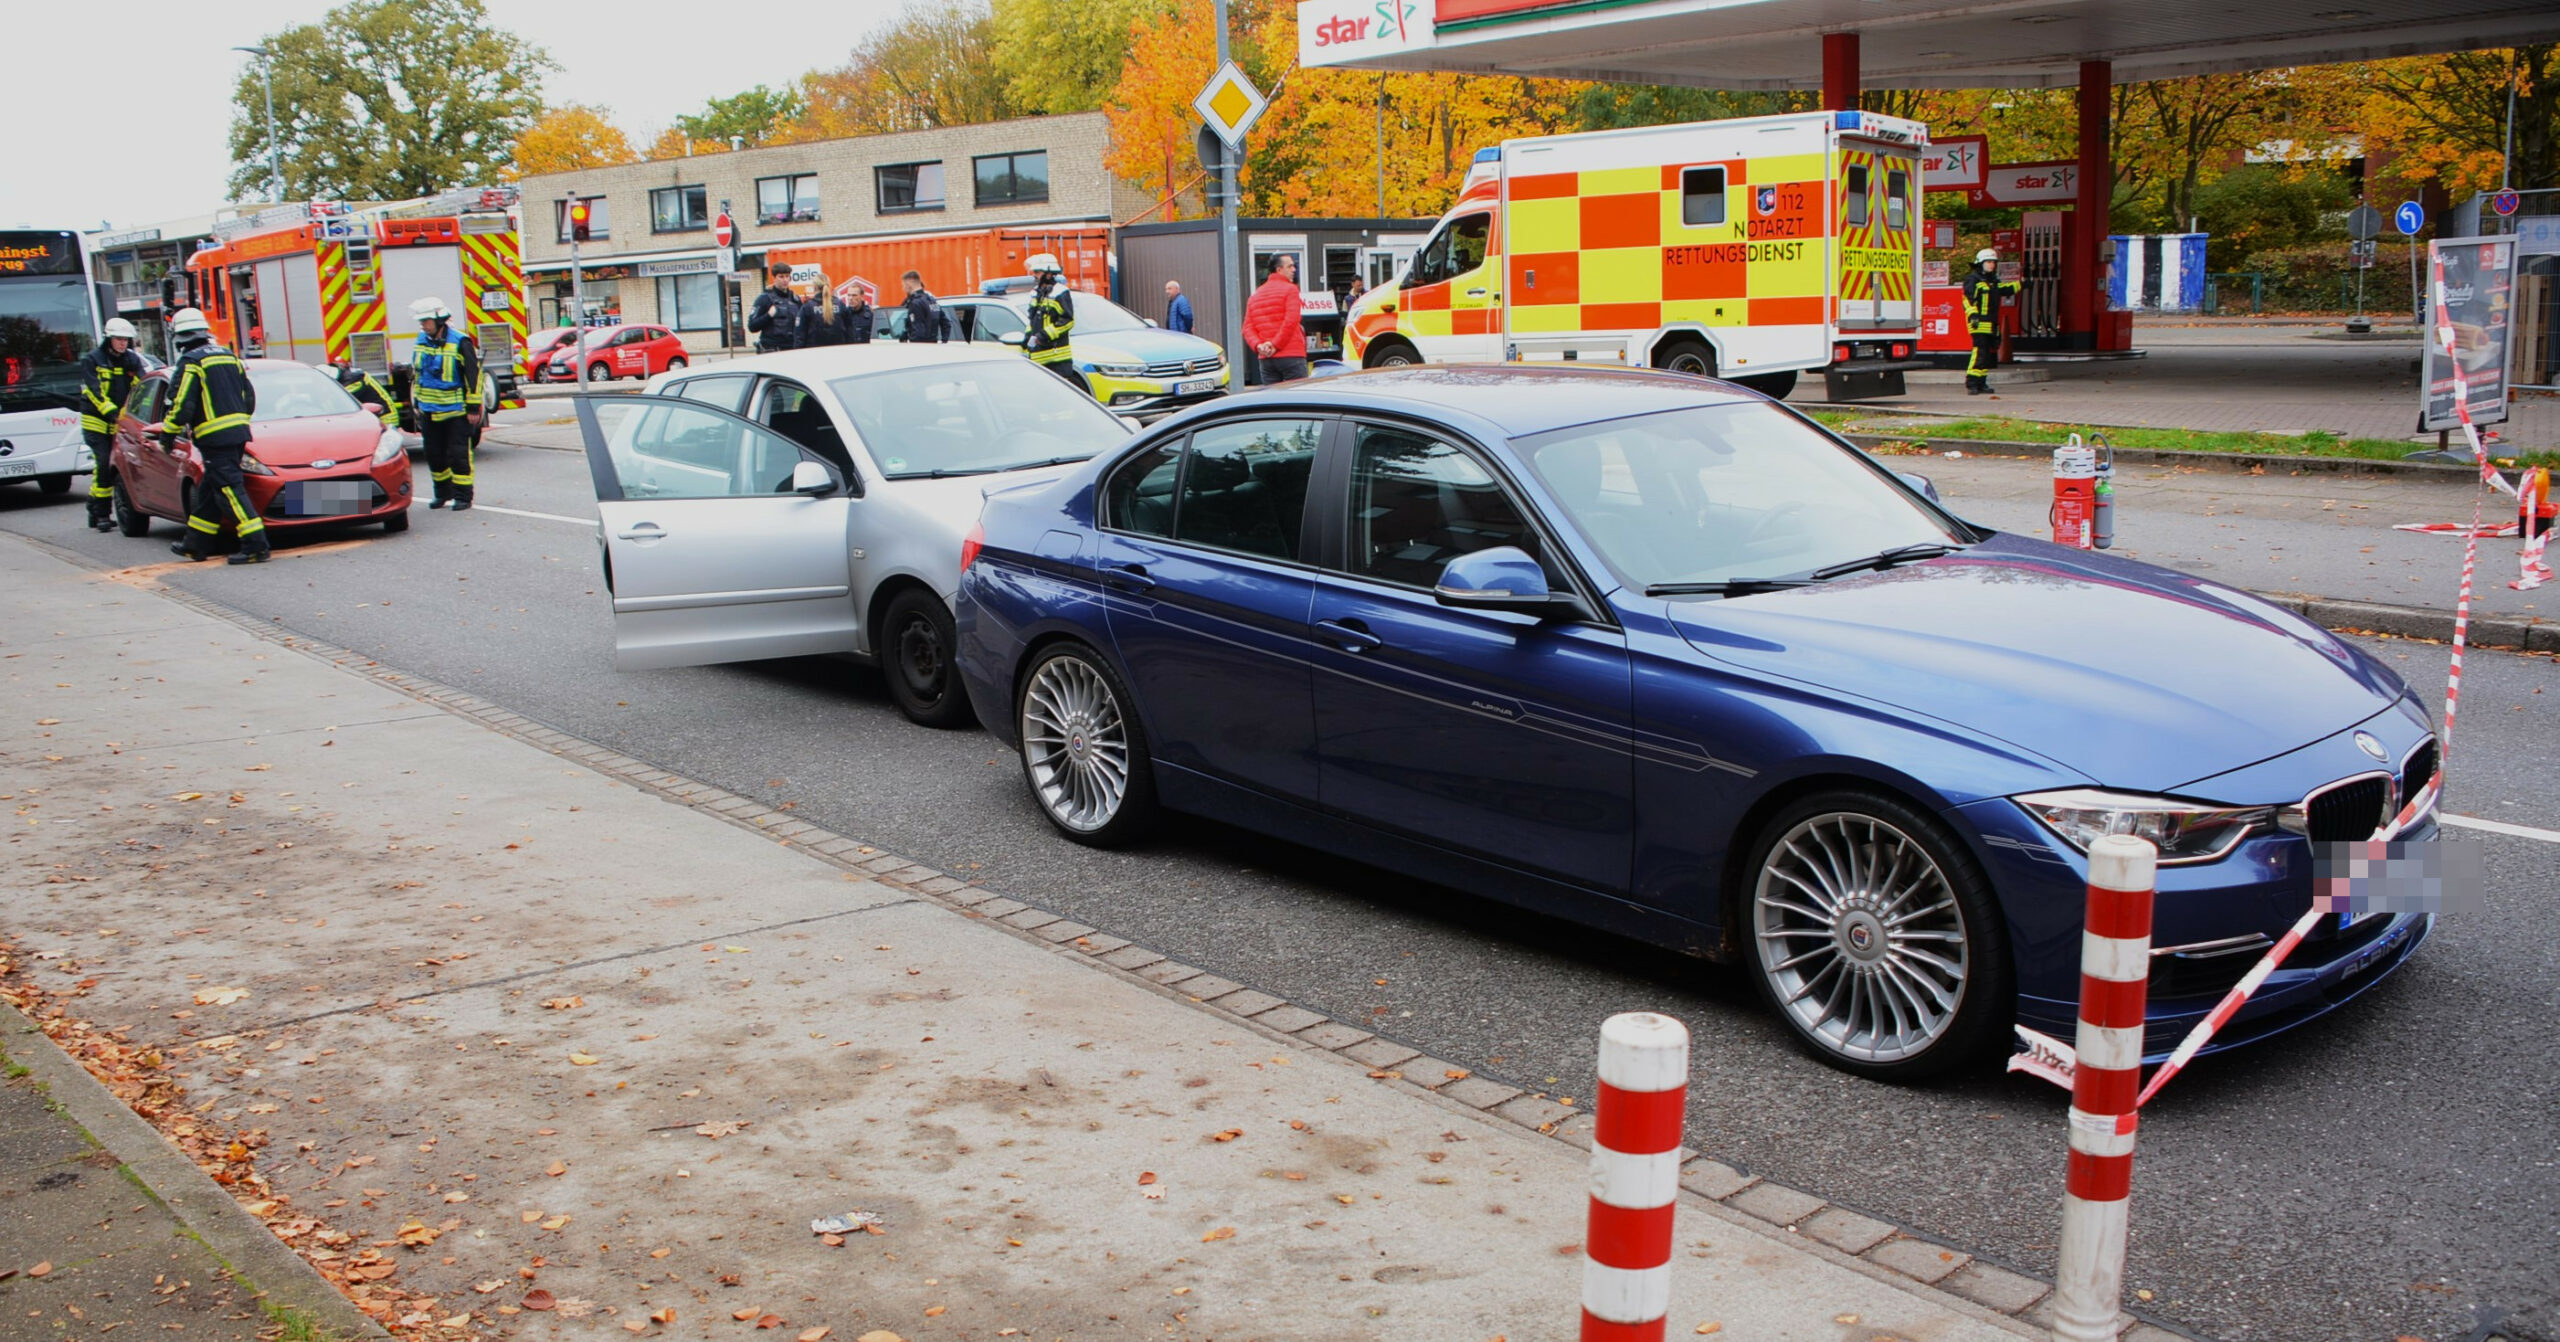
[[44, 329]]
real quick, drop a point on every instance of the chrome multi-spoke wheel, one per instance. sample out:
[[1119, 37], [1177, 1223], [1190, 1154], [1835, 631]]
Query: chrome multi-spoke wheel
[[1870, 945], [1082, 752]]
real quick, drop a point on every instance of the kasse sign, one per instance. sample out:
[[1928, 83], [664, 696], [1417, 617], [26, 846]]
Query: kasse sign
[[1334, 32]]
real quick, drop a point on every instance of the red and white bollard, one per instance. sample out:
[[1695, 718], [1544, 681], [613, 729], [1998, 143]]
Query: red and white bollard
[[1635, 1176], [2115, 971]]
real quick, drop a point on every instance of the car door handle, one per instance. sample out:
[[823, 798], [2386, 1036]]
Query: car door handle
[[643, 531], [1127, 577], [1475, 293], [1349, 635]]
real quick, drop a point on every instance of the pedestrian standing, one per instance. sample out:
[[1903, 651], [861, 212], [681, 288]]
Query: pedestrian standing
[[853, 311], [212, 406], [776, 318], [1177, 307], [1275, 324], [444, 389], [818, 319], [924, 314], [1983, 292], [1050, 341], [107, 375]]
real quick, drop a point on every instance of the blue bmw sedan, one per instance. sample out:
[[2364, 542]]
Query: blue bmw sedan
[[1658, 655]]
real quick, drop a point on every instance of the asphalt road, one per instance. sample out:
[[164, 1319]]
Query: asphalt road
[[2389, 1171]]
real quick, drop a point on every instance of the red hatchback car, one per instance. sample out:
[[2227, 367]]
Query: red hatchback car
[[315, 456], [618, 351]]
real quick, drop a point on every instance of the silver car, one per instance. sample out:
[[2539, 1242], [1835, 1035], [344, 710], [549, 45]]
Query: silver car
[[816, 502]]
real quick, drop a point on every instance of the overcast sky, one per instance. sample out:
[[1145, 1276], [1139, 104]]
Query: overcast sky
[[121, 112]]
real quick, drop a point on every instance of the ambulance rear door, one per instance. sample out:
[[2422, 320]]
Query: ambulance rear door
[[1875, 234]]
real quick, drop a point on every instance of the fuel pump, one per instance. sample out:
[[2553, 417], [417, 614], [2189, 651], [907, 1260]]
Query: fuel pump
[[2075, 494]]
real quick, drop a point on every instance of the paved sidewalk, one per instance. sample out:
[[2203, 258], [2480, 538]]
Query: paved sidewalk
[[2288, 379], [582, 1046]]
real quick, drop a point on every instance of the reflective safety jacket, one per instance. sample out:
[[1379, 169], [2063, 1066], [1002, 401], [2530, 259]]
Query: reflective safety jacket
[[445, 379], [365, 387], [1053, 322], [106, 379], [1983, 294], [214, 399]]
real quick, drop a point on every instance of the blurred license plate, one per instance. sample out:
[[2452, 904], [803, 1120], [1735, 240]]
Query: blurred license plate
[[1195, 387], [327, 498], [10, 470]]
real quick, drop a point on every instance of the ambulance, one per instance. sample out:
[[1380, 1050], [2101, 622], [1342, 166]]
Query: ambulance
[[320, 282], [1753, 249]]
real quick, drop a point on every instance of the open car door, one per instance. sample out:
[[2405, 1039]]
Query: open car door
[[724, 541]]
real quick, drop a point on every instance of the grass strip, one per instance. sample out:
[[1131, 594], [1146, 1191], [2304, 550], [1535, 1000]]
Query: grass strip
[[1996, 429]]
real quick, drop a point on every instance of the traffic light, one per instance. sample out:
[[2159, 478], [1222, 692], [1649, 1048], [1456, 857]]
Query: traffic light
[[578, 220]]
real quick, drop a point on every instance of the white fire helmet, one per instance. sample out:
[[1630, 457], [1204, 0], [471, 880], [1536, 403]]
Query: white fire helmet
[[1046, 264], [430, 310], [119, 327], [189, 321], [1986, 254]]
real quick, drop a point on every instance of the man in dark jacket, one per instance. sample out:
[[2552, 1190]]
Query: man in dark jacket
[[924, 314], [776, 318], [107, 375], [212, 406]]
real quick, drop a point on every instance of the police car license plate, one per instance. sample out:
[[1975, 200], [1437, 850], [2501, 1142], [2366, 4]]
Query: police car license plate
[[11, 470], [1195, 387], [327, 498]]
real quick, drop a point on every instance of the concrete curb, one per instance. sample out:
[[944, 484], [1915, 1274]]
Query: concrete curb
[[2529, 633], [2236, 461], [1951, 1278], [264, 1263]]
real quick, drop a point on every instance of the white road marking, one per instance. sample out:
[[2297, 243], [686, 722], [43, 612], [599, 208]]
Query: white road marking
[[2502, 827], [547, 517]]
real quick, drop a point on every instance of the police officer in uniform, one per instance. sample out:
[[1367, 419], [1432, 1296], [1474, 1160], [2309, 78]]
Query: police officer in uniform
[[1053, 322], [212, 405], [107, 375], [444, 386], [1984, 291], [366, 388]]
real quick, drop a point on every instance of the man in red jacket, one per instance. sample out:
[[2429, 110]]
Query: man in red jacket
[[1273, 327]]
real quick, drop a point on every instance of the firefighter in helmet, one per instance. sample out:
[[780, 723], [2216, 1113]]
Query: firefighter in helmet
[[367, 389], [1053, 321], [212, 406], [1984, 291], [444, 387], [107, 375]]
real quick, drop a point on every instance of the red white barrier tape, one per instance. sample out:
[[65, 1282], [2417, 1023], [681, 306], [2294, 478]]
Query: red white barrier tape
[[1635, 1177], [2115, 970], [2483, 531]]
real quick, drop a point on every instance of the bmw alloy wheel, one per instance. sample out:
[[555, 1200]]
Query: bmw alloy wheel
[[1075, 744], [1861, 938]]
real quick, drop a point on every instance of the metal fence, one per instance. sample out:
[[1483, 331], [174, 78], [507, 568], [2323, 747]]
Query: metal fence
[[2215, 284]]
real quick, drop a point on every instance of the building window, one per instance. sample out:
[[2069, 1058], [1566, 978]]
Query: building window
[[906, 187], [689, 302], [1013, 179], [599, 219], [678, 209], [787, 200]]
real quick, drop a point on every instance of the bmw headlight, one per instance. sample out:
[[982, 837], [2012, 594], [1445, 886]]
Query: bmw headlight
[[2182, 831], [388, 450], [1119, 369], [250, 465]]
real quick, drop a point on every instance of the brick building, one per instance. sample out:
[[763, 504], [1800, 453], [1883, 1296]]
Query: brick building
[[651, 258]]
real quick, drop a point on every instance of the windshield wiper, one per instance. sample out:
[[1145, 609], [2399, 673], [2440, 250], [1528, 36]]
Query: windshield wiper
[[946, 473], [1900, 554], [1729, 587], [1053, 461]]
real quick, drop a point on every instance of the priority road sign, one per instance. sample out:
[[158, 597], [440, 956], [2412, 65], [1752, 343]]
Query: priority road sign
[[2364, 223], [2505, 202], [1230, 104], [2409, 218], [724, 231]]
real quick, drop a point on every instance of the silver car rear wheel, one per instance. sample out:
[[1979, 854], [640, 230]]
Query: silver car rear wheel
[[1085, 757], [1863, 940]]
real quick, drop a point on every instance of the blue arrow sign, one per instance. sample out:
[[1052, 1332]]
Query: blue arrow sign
[[2409, 218]]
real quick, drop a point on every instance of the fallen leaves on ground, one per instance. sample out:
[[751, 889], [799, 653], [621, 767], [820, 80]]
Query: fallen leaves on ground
[[556, 1168], [716, 1130], [583, 1060], [41, 1269], [663, 1316], [564, 1003], [1227, 1136], [539, 1300], [1711, 1326], [220, 996], [742, 1315], [770, 1321], [817, 1334], [1222, 1232]]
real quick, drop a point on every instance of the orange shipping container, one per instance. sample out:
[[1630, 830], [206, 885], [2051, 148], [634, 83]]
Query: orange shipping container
[[957, 263]]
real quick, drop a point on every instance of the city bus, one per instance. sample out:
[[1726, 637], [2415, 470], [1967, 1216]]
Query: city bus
[[48, 319]]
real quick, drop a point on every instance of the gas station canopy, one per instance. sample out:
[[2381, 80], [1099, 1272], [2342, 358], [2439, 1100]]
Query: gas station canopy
[[1774, 44]]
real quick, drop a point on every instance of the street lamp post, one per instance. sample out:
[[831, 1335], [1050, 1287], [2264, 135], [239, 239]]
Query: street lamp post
[[266, 76]]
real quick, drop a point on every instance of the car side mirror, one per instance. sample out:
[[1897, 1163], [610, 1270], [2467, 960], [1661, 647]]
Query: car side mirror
[[1502, 578], [1928, 489], [812, 480], [1011, 337]]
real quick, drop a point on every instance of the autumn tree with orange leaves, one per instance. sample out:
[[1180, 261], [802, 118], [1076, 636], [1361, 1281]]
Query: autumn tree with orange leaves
[[568, 138]]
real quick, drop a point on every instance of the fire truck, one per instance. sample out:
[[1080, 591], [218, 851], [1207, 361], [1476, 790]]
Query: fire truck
[[1752, 249], [320, 282]]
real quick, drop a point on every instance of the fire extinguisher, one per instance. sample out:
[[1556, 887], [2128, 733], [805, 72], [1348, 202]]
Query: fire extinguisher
[[2075, 494], [2102, 527]]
